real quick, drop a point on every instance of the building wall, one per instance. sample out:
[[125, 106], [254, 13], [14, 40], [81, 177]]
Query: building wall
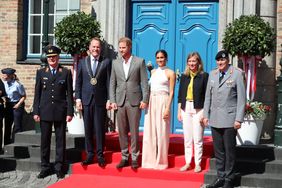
[[279, 37]]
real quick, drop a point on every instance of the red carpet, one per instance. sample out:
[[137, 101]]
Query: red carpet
[[94, 176], [96, 181]]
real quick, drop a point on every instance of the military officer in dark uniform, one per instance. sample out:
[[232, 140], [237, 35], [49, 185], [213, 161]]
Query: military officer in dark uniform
[[53, 105]]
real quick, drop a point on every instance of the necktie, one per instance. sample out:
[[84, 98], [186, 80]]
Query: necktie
[[53, 71], [94, 66], [221, 76]]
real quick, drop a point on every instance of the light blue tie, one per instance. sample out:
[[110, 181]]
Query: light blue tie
[[94, 66]]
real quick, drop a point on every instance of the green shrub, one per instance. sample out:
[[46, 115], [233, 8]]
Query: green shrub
[[74, 32], [249, 35]]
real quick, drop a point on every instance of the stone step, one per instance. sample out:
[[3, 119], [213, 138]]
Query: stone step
[[257, 152], [18, 150], [264, 180], [247, 166], [72, 154], [32, 138], [8, 163]]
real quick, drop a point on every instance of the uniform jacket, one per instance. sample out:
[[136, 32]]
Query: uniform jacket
[[83, 88], [53, 98], [2, 94], [199, 89], [225, 102], [134, 87]]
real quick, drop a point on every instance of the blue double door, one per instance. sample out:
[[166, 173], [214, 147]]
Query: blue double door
[[179, 27]]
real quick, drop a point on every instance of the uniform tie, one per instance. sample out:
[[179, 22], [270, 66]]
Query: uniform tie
[[221, 76], [53, 71]]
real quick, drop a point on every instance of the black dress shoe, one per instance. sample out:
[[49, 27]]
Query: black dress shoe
[[217, 183], [44, 173], [228, 184], [60, 174], [122, 163], [87, 162], [134, 164], [101, 162]]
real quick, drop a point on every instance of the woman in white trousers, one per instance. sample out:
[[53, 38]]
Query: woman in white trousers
[[191, 97]]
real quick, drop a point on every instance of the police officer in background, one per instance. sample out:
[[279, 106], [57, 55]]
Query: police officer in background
[[14, 109], [53, 105]]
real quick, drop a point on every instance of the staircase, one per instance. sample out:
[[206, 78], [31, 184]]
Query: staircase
[[24, 153], [257, 166]]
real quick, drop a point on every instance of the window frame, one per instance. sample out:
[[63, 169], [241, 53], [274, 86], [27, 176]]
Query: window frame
[[34, 58]]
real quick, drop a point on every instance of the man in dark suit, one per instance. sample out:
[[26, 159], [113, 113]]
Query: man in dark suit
[[53, 105], [129, 93], [91, 93], [224, 110]]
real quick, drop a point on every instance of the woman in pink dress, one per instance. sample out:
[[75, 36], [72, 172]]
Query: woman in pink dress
[[157, 118]]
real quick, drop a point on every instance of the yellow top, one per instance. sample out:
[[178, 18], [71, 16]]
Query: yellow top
[[189, 95]]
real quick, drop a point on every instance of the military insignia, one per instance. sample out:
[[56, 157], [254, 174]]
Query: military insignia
[[45, 78], [229, 83], [223, 55], [50, 51]]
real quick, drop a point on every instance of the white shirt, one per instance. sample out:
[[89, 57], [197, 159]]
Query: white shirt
[[126, 66], [51, 69]]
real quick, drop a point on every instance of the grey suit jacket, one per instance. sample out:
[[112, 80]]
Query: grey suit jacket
[[225, 102], [134, 87]]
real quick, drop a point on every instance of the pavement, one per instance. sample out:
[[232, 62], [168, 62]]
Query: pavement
[[25, 179]]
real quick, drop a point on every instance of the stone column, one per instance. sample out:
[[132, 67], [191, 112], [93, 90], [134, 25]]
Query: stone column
[[113, 16], [266, 82]]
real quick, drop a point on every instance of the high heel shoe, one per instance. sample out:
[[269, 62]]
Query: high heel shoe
[[184, 168]]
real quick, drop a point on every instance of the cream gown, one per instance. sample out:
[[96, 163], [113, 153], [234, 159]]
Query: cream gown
[[156, 129]]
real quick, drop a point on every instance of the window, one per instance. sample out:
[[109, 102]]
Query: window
[[57, 10]]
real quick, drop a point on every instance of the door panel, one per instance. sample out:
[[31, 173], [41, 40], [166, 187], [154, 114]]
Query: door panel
[[152, 23], [179, 27], [196, 30]]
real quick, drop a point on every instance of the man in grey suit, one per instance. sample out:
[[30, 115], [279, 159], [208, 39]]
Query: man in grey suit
[[129, 93], [224, 111]]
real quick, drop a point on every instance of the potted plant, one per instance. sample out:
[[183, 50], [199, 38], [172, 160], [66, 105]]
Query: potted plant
[[255, 114], [251, 39], [73, 34]]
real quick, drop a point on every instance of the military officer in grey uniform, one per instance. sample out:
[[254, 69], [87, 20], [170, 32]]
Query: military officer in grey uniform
[[224, 111], [53, 105]]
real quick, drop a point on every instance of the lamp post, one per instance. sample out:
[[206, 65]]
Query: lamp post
[[45, 41], [278, 125]]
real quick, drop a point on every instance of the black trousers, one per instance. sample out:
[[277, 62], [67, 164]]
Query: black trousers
[[94, 117], [13, 116], [1, 124], [224, 143], [60, 134]]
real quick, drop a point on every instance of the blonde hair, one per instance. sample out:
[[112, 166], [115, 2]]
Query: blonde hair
[[199, 60], [126, 40]]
